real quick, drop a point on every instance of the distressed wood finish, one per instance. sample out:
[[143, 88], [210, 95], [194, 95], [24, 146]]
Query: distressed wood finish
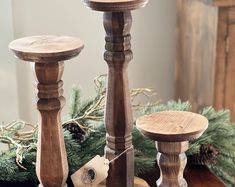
[[219, 3], [220, 66], [118, 113], [117, 22], [171, 132], [196, 41], [205, 70], [229, 71], [172, 126], [223, 3], [48, 53], [225, 70]]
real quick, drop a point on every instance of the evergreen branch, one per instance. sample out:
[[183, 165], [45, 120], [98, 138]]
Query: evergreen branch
[[86, 115]]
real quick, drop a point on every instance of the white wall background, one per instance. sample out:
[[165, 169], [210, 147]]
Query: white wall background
[[8, 87], [153, 44]]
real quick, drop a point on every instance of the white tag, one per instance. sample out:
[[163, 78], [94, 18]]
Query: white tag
[[92, 173]]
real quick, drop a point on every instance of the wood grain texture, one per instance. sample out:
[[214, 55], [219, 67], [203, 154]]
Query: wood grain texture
[[229, 94], [221, 58], [172, 126], [224, 96], [117, 22], [115, 5], [118, 111], [196, 51], [224, 3], [171, 159], [51, 164], [218, 3], [46, 48], [172, 130], [205, 70]]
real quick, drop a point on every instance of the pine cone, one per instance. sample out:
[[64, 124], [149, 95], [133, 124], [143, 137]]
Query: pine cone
[[76, 131], [208, 155]]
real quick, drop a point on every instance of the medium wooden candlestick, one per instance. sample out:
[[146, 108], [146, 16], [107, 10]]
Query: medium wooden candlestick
[[172, 130], [48, 53], [118, 113]]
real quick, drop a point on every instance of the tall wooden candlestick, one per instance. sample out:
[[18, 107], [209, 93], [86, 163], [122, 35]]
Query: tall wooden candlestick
[[118, 114], [48, 53]]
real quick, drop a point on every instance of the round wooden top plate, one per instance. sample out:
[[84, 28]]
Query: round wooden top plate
[[46, 48], [172, 126], [115, 5]]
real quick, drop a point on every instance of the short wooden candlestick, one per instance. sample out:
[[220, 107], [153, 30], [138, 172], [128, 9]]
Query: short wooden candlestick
[[48, 53], [118, 113], [172, 130]]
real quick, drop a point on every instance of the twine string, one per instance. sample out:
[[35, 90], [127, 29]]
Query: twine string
[[122, 153]]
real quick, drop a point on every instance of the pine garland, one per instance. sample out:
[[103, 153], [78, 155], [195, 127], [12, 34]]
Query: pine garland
[[85, 120]]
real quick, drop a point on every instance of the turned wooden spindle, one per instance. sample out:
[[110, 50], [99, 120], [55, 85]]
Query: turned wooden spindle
[[172, 130], [117, 22], [48, 54]]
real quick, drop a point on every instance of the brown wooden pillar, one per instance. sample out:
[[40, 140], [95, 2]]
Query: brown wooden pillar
[[48, 54], [118, 114]]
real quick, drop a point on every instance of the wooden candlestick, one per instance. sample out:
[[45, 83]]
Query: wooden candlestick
[[172, 130], [118, 113], [48, 53]]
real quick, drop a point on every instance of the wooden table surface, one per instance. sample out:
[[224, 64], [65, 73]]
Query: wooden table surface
[[201, 176], [196, 176]]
